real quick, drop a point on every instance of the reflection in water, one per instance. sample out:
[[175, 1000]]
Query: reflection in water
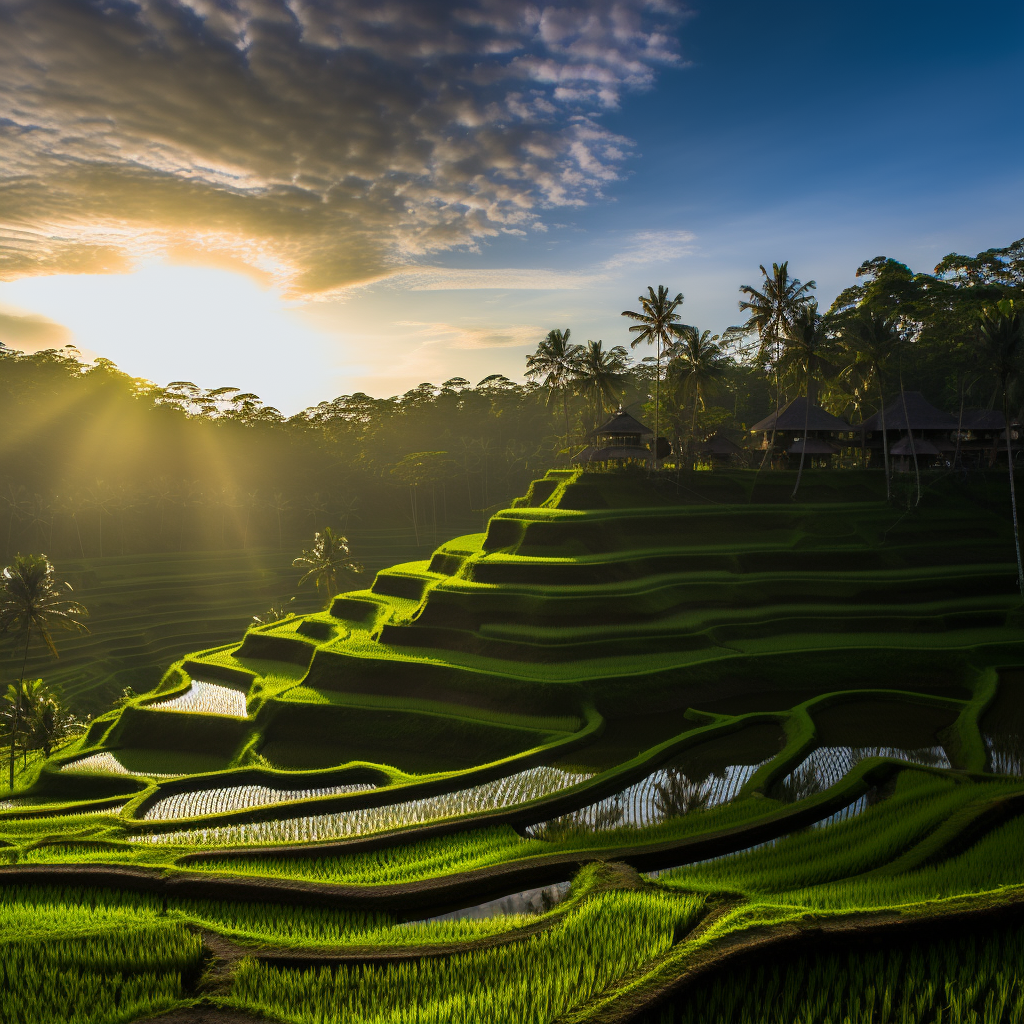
[[847, 813], [825, 766], [505, 792], [531, 901], [666, 793], [1005, 753]]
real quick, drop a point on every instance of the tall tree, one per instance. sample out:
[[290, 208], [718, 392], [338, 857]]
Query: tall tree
[[554, 363], [772, 311], [32, 604], [1002, 340], [602, 375], [697, 367], [806, 339], [328, 563], [658, 324], [871, 341]]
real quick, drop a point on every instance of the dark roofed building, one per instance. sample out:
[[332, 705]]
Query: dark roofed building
[[976, 438], [720, 450], [920, 416], [983, 420], [791, 418], [825, 432], [622, 437]]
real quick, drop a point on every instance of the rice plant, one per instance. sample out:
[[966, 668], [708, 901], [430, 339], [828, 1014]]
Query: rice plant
[[539, 979], [41, 911], [207, 699], [236, 798], [105, 761], [509, 791], [825, 766], [967, 980], [429, 858], [117, 975], [664, 794], [861, 843], [987, 865]]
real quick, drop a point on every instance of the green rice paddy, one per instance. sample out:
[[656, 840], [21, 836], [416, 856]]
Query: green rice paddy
[[765, 739]]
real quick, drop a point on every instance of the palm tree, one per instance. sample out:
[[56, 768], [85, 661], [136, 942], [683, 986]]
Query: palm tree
[[602, 375], [555, 361], [46, 720], [805, 338], [697, 366], [658, 324], [32, 604], [772, 312], [872, 340], [1002, 340], [327, 563]]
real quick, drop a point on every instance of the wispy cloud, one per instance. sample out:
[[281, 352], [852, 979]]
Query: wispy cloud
[[462, 337], [324, 143], [643, 248]]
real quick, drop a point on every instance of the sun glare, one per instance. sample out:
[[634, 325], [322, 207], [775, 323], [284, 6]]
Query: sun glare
[[167, 322]]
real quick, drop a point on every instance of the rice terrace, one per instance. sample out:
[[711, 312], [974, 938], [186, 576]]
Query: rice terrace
[[487, 536]]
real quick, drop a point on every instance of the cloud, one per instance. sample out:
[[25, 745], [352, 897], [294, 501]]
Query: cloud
[[642, 248], [441, 279], [28, 332], [462, 337], [321, 142], [652, 247]]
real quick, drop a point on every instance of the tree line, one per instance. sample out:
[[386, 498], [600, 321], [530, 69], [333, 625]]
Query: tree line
[[99, 463]]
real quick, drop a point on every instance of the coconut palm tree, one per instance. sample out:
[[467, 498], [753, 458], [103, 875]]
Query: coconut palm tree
[[602, 375], [658, 324], [805, 339], [872, 340], [697, 366], [32, 604], [46, 722], [772, 311], [1002, 341], [327, 563], [555, 363]]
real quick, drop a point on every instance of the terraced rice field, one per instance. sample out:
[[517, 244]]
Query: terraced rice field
[[105, 761], [664, 794], [146, 611], [826, 766], [506, 792], [206, 699], [238, 798], [822, 702]]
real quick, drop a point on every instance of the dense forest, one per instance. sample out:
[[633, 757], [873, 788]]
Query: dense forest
[[97, 462]]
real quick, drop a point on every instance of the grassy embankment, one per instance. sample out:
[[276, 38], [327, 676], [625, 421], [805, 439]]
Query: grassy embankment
[[839, 660]]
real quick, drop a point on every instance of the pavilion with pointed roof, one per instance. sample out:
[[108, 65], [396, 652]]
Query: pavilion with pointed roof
[[825, 432], [915, 427], [622, 437]]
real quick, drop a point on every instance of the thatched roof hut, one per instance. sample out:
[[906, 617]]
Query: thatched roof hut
[[620, 438], [920, 415], [791, 419]]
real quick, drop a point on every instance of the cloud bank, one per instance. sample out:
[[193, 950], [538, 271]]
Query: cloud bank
[[321, 142]]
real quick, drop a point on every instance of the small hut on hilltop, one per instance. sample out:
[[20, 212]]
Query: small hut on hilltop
[[825, 432], [621, 438]]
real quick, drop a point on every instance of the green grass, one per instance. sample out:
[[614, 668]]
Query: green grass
[[832, 622], [919, 803], [117, 975], [971, 979], [537, 980]]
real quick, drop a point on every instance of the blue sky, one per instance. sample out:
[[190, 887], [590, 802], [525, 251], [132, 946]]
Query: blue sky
[[739, 133]]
